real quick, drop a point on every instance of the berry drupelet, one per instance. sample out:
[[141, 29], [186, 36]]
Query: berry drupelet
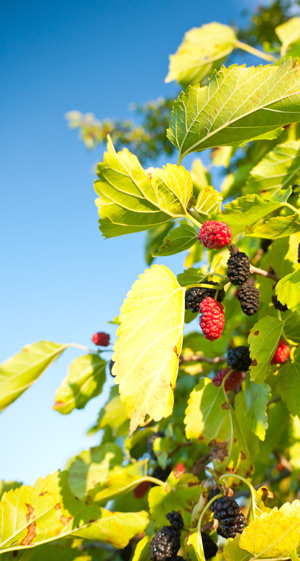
[[214, 235]]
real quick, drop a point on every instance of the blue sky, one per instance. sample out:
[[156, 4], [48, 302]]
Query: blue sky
[[60, 280]]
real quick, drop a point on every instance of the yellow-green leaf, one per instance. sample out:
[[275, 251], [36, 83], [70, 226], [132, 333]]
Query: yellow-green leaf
[[288, 33], [263, 341], [275, 534], [203, 49], [84, 381], [132, 200], [233, 552], [18, 373], [49, 511], [149, 344], [288, 291]]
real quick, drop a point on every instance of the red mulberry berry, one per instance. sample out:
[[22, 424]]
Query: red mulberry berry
[[232, 381], [141, 489], [214, 235], [101, 339], [212, 319], [282, 353]]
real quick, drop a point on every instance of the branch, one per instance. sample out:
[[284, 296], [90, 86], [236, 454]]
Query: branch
[[283, 475], [274, 400], [268, 274], [198, 358]]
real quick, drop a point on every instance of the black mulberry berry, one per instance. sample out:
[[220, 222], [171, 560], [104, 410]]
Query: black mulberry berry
[[194, 296], [209, 547], [175, 520], [278, 305], [238, 270], [161, 473], [231, 519], [249, 299], [165, 544], [238, 358]]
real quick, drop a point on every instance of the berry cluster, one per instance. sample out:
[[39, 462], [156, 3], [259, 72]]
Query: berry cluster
[[231, 519], [194, 296], [165, 545]]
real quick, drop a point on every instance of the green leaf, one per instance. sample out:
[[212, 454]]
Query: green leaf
[[203, 49], [288, 291], [211, 418], [18, 373], [275, 534], [113, 415], [178, 240], [239, 104], [221, 156], [279, 169], [6, 486], [257, 397], [263, 340], [154, 239], [149, 344], [182, 494], [208, 202], [141, 552], [289, 383], [288, 33], [49, 511], [84, 381], [120, 480], [199, 174], [132, 200], [242, 213], [277, 227], [233, 552], [195, 546], [192, 276], [91, 468]]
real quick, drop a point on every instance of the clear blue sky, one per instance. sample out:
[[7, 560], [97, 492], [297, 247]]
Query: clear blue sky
[[60, 280]]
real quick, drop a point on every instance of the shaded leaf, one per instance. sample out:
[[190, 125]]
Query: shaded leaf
[[242, 213], [18, 373], [6, 486], [200, 175], [275, 534], [257, 397], [179, 239], [121, 480], [91, 468], [233, 552], [113, 415], [289, 383], [263, 340], [277, 227], [84, 381], [239, 104], [149, 344], [288, 291], [203, 49], [154, 239], [192, 276]]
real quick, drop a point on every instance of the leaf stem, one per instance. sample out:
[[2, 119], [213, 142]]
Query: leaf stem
[[77, 346], [252, 490], [255, 52], [291, 207]]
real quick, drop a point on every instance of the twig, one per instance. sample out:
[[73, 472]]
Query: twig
[[180, 445], [197, 358], [268, 274], [199, 464], [274, 400]]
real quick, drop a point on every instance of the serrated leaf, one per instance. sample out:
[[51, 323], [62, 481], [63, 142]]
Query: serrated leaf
[[49, 511], [6, 486], [275, 534], [179, 239], [203, 49], [238, 105], [257, 397], [91, 468], [182, 494], [18, 373], [277, 227], [211, 418], [84, 381], [154, 239], [279, 169], [192, 276], [208, 201], [288, 33], [263, 340], [288, 291], [132, 200], [243, 213], [149, 344], [289, 383]]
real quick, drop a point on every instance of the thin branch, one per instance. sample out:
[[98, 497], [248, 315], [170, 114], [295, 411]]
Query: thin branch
[[197, 358], [268, 274], [201, 463], [274, 400], [180, 445], [255, 52], [283, 475]]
